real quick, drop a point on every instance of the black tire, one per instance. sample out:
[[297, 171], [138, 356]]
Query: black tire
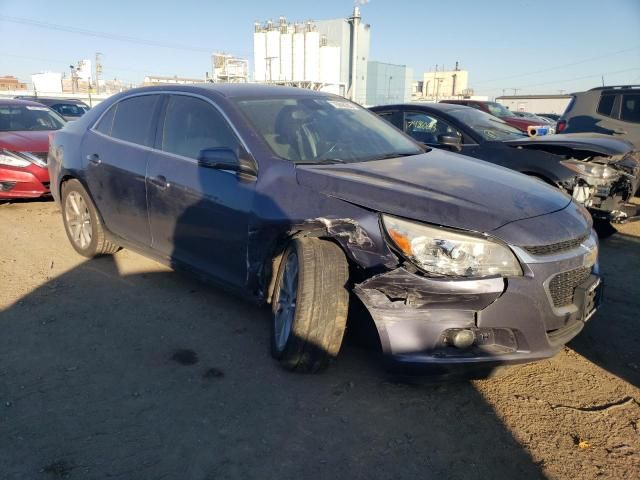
[[99, 244], [320, 305]]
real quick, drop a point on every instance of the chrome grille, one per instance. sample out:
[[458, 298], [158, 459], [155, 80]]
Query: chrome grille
[[563, 285], [556, 247]]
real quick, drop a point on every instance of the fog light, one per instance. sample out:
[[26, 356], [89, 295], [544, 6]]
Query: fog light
[[462, 338]]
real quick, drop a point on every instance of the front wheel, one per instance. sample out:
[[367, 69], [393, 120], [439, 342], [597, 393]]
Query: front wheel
[[310, 305]]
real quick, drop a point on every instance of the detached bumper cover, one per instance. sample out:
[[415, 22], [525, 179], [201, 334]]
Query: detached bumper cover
[[515, 320]]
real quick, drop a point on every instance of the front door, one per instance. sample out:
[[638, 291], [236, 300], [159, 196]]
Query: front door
[[115, 153], [198, 215]]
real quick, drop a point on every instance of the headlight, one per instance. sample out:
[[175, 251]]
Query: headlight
[[12, 160], [439, 251], [594, 170]]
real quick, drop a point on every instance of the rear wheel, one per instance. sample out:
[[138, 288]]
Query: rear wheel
[[310, 305], [82, 222]]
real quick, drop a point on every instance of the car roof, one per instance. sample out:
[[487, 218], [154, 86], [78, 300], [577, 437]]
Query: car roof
[[18, 102], [54, 101], [249, 90], [442, 107]]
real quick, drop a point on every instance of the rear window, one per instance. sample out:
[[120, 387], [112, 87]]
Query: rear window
[[69, 109], [605, 106], [630, 111], [134, 118]]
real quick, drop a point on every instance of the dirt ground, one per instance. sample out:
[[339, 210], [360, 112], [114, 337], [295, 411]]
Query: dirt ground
[[121, 368]]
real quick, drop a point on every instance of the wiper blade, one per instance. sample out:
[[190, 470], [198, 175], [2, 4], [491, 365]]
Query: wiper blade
[[324, 161], [397, 155]]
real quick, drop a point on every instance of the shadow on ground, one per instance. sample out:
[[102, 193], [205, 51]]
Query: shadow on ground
[[157, 376], [612, 339]]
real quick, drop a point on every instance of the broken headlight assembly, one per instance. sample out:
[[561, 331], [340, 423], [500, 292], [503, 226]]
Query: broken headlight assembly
[[444, 252], [592, 170]]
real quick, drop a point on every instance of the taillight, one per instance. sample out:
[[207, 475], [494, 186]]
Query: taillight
[[561, 126]]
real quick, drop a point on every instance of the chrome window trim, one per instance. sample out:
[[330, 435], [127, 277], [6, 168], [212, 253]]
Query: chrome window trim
[[169, 92]]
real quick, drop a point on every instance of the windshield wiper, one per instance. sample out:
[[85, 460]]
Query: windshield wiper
[[397, 155], [324, 161]]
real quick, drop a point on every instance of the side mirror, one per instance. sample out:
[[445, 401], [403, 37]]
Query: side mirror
[[219, 158], [452, 142], [223, 158]]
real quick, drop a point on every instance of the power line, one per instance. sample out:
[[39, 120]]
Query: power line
[[92, 33], [559, 67]]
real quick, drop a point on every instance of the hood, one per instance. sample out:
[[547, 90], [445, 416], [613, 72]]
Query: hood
[[594, 143], [26, 141], [437, 187]]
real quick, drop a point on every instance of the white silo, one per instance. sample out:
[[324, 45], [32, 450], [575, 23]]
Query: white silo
[[259, 53], [298, 53], [311, 53], [286, 51], [273, 52]]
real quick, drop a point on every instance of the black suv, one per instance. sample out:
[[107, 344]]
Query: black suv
[[611, 110]]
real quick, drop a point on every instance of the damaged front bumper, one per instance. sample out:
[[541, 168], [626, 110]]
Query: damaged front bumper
[[510, 321]]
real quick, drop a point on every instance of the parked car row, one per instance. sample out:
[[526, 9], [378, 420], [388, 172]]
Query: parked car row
[[307, 201], [598, 171]]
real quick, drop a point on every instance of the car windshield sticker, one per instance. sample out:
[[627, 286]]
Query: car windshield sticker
[[342, 105]]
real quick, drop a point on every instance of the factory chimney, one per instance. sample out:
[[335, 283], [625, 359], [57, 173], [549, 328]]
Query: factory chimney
[[354, 20]]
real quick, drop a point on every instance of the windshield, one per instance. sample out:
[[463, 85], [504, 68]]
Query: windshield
[[14, 118], [499, 110], [324, 129], [487, 126]]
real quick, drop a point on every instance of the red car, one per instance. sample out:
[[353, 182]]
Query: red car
[[499, 111], [24, 144]]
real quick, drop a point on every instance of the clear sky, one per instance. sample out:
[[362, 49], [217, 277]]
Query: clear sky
[[535, 46]]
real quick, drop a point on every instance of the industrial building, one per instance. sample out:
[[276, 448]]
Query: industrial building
[[229, 69], [47, 82], [445, 84], [151, 80], [535, 103], [9, 82], [328, 55], [388, 83]]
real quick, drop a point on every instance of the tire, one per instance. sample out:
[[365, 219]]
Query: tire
[[315, 309], [82, 223]]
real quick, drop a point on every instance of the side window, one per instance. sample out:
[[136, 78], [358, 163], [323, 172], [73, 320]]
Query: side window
[[605, 106], [191, 125], [630, 111], [134, 118], [106, 122], [426, 128]]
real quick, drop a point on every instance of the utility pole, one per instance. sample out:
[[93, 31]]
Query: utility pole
[[515, 91], [98, 72]]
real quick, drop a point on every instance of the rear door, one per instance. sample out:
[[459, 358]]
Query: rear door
[[115, 153], [198, 215]]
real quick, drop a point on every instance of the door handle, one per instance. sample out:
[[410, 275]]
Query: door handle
[[160, 181], [94, 159]]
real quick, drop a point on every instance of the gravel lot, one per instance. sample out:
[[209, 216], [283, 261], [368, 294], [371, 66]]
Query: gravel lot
[[121, 368]]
